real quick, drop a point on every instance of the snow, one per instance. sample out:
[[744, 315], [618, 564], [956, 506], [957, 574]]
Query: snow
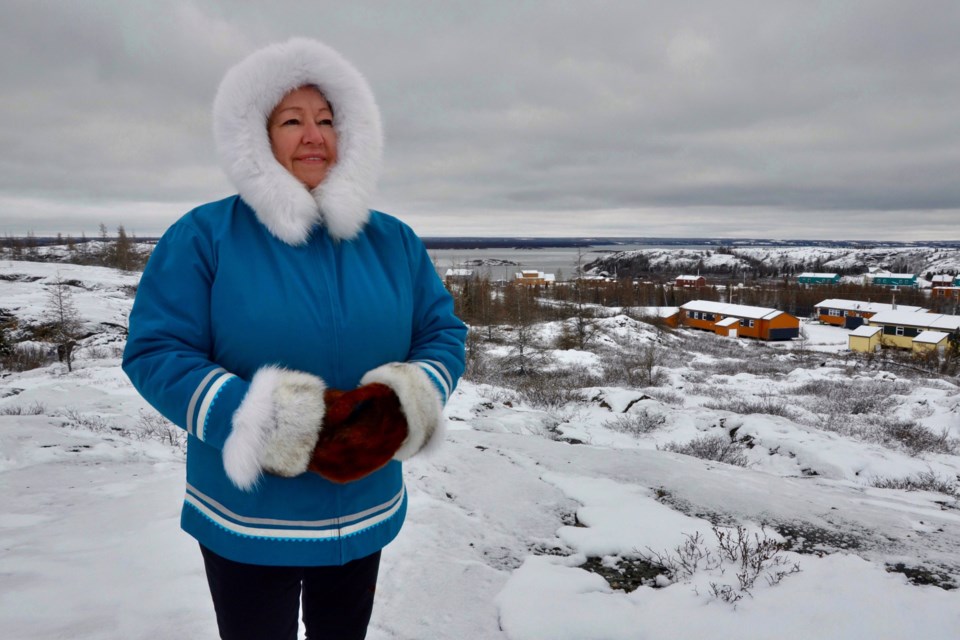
[[502, 518]]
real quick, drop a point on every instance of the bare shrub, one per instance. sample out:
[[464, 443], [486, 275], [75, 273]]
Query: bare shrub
[[24, 357], [709, 390], [923, 481], [553, 389], [852, 398], [635, 367], [150, 426], [153, 426], [666, 396], [767, 405], [749, 557], [915, 437], [719, 448], [94, 423], [817, 387], [636, 423], [35, 409]]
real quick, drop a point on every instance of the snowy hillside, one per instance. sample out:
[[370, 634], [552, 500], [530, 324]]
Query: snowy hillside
[[918, 260], [661, 485]]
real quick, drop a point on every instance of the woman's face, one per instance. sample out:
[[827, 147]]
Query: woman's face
[[302, 136]]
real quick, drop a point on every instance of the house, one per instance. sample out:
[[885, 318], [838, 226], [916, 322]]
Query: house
[[900, 328], [695, 282], [458, 275], [894, 280], [818, 278], [945, 292], [927, 341], [865, 339], [531, 277], [669, 316], [941, 280], [750, 322], [850, 314]]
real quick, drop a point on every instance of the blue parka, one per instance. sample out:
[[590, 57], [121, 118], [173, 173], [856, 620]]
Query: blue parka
[[242, 288]]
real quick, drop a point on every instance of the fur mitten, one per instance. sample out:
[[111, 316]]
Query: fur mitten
[[362, 430]]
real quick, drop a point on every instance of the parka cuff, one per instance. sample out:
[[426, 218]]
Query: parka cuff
[[276, 427], [420, 400]]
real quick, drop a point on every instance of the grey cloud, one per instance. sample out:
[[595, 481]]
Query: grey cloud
[[538, 110]]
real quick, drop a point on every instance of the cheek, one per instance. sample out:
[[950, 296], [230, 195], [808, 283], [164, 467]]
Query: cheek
[[280, 146], [332, 141]]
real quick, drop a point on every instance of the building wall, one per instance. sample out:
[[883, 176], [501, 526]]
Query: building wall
[[864, 345], [926, 347], [782, 325], [946, 292], [760, 330]]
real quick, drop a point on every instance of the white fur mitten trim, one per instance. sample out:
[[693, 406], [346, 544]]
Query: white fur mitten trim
[[276, 427], [419, 400]]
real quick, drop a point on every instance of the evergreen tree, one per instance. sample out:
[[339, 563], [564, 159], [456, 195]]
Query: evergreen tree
[[65, 320]]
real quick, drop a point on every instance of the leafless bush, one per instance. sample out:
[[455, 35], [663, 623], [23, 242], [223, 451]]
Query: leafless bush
[[915, 437], [635, 367], [923, 481], [93, 423], [150, 426], [719, 448], [852, 397], [817, 387], [709, 390], [153, 426], [35, 409], [636, 423], [767, 405], [553, 389], [749, 557], [666, 396], [24, 357]]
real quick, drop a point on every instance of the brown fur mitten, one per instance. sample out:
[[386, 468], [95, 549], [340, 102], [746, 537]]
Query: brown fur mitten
[[362, 430]]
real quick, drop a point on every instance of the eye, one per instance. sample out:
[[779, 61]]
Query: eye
[[290, 121], [326, 122]]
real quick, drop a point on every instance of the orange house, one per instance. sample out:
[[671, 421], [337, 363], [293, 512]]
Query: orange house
[[853, 313], [739, 320], [945, 292]]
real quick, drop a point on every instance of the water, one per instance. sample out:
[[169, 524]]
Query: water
[[560, 261]]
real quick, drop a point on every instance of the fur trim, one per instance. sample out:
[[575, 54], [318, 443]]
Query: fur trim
[[246, 97], [276, 426], [420, 402]]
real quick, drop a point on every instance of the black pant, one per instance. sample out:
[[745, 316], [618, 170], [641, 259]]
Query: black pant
[[255, 602]]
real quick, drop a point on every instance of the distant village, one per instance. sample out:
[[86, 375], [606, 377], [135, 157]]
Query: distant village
[[873, 325]]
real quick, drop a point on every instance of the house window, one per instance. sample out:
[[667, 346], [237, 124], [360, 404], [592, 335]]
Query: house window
[[835, 312], [899, 331], [750, 323]]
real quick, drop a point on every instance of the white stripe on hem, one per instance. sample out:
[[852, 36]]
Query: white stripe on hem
[[290, 534]]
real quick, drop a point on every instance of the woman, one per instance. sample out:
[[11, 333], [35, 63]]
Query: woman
[[304, 342]]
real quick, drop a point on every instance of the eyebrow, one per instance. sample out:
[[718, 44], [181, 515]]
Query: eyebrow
[[301, 109]]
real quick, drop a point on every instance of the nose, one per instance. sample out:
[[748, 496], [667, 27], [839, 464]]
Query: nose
[[312, 133]]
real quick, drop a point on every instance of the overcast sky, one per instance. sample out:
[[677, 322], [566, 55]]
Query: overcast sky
[[806, 119]]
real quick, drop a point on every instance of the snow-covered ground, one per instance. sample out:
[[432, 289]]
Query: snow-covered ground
[[512, 527]]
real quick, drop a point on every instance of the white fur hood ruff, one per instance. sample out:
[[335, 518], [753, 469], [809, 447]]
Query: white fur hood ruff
[[245, 99]]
